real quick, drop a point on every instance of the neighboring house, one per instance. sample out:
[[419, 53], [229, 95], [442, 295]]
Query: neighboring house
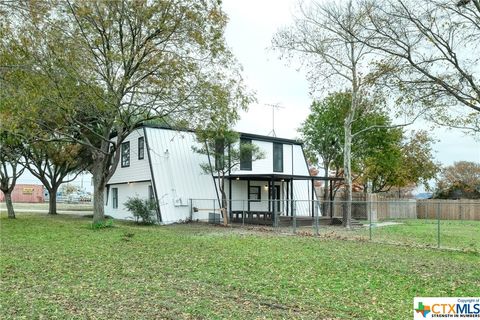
[[159, 163]]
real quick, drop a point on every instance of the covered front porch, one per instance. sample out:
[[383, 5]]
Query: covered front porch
[[276, 199]]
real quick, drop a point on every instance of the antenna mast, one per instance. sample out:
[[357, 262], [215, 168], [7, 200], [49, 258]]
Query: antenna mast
[[274, 107]]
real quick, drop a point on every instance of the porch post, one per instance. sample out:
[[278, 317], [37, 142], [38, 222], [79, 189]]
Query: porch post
[[273, 196], [230, 198], [313, 198], [331, 199], [291, 198], [248, 196], [287, 198]]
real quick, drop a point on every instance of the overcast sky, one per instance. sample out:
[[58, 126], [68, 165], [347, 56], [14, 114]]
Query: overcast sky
[[249, 32]]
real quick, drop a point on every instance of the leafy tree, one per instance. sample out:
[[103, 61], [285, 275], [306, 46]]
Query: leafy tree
[[462, 179], [10, 168], [110, 66], [381, 156], [406, 162], [51, 163]]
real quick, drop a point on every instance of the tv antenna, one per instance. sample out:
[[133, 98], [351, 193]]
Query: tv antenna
[[274, 107]]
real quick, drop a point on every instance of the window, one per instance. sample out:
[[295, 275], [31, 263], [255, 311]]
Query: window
[[141, 148], [115, 198], [150, 193], [254, 194], [126, 154], [277, 157], [245, 155], [219, 154]]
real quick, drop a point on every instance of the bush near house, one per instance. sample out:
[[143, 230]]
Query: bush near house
[[142, 209]]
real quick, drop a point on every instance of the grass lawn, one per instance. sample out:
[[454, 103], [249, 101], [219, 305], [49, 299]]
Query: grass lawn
[[454, 234], [56, 267]]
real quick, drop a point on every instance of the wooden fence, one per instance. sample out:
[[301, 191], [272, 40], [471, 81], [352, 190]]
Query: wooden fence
[[449, 209], [381, 208]]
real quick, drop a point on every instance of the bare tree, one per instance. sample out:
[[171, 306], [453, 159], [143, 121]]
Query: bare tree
[[324, 35], [431, 54]]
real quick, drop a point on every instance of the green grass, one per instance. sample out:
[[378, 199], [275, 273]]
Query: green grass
[[454, 234], [461, 235], [57, 267]]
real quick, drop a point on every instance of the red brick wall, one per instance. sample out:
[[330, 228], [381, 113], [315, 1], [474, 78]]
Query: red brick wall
[[32, 193]]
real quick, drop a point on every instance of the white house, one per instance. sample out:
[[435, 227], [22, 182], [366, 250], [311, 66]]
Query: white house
[[159, 163]]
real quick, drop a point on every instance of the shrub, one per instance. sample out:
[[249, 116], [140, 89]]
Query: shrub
[[102, 225], [143, 210]]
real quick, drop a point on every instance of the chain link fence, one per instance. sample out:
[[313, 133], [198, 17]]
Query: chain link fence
[[447, 224]]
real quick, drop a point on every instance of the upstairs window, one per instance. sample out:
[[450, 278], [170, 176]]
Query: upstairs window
[[245, 155], [277, 157], [141, 148], [126, 154]]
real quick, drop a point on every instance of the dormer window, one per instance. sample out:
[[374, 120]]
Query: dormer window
[[126, 154], [277, 157], [245, 155]]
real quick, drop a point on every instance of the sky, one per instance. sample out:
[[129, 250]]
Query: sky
[[249, 32], [252, 24]]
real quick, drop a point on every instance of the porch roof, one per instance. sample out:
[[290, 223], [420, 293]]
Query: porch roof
[[279, 176]]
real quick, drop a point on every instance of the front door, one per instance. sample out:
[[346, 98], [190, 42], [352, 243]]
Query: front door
[[277, 198]]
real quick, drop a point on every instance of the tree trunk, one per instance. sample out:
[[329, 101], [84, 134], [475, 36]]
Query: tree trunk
[[326, 200], [223, 201], [8, 202], [347, 171], [99, 186], [52, 201]]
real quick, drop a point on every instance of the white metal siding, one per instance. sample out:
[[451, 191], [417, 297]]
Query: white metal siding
[[177, 173], [139, 170], [178, 176], [125, 191], [265, 165]]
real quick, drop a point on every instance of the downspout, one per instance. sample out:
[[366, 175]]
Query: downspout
[[154, 187]]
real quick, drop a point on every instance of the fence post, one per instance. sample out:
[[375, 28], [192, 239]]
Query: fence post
[[294, 212], [438, 224], [370, 224], [461, 210], [191, 209], [316, 217], [214, 215]]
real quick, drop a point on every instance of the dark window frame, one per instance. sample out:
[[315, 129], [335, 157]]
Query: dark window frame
[[125, 154], [257, 191], [219, 154], [115, 198], [151, 195], [277, 153], [141, 148], [245, 159]]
